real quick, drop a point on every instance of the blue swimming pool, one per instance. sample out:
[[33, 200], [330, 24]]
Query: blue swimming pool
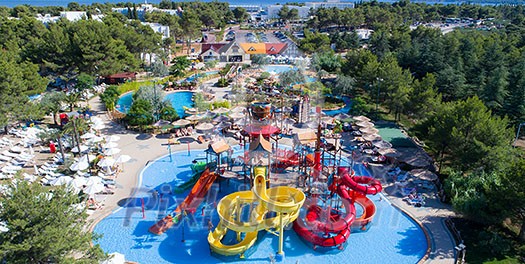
[[199, 75], [345, 109], [393, 237], [179, 100]]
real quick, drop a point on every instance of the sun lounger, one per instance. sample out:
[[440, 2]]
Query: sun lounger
[[5, 176]]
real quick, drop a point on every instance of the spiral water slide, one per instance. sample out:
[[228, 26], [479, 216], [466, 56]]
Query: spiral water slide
[[285, 202], [318, 223]]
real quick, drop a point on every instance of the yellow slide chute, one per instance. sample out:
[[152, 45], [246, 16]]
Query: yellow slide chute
[[284, 202]]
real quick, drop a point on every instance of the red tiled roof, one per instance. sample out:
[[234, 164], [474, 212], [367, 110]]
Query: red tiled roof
[[275, 48], [213, 46]]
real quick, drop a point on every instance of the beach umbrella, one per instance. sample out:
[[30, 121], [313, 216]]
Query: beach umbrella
[[223, 125], [88, 135], [111, 151], [194, 117], [181, 123], [342, 116], [371, 137], [115, 258], [416, 161], [106, 162], [424, 174], [381, 144], [98, 126], [389, 152], [94, 140], [237, 115], [96, 120], [368, 130], [94, 188], [94, 180], [110, 144], [364, 124], [79, 166], [61, 180], [221, 119], [86, 158], [78, 182], [238, 109], [191, 111], [204, 126], [221, 110], [123, 158], [162, 123], [112, 138], [361, 118], [82, 149]]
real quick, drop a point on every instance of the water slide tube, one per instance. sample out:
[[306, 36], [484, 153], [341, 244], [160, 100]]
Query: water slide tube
[[192, 201], [285, 201], [313, 227], [361, 184]]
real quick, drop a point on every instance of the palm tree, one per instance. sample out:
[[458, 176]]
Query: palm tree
[[72, 99]]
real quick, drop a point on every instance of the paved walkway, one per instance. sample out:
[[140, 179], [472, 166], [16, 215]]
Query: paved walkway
[[144, 148]]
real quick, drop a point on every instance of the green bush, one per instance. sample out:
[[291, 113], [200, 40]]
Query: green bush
[[222, 82], [110, 97], [219, 104]]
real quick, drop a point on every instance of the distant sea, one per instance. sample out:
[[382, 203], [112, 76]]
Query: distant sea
[[13, 3]]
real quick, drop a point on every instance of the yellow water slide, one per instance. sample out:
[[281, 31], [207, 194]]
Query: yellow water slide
[[284, 201]]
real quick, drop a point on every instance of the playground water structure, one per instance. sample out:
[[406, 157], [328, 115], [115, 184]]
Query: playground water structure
[[178, 100], [393, 238]]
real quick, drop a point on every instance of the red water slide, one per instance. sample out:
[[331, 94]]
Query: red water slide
[[362, 184], [326, 229], [190, 204]]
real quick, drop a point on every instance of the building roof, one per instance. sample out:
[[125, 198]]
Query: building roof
[[254, 48], [261, 144], [211, 46], [218, 147], [305, 138], [227, 47], [275, 48]]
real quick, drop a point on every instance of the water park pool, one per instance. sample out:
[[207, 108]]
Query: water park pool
[[198, 75], [345, 109], [178, 100], [392, 238], [276, 69]]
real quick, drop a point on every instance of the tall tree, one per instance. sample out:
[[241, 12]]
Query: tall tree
[[44, 227]]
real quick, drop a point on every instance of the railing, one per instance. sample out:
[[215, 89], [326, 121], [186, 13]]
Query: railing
[[460, 246]]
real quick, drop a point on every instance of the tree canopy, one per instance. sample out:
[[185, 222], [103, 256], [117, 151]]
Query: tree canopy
[[44, 226]]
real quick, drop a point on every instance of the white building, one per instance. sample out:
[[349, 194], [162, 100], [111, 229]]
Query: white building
[[159, 28], [273, 10], [146, 8], [304, 11], [330, 4], [69, 15], [73, 15]]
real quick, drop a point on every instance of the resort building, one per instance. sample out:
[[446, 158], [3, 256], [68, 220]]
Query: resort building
[[233, 52], [147, 8], [159, 28], [304, 11], [69, 15]]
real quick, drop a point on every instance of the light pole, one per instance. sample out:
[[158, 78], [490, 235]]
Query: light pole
[[518, 133]]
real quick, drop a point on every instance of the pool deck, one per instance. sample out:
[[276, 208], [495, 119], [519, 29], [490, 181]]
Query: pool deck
[[431, 217]]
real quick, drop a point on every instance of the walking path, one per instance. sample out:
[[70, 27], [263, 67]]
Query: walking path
[[144, 148]]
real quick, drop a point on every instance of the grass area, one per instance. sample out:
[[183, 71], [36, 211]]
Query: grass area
[[489, 243], [134, 86]]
